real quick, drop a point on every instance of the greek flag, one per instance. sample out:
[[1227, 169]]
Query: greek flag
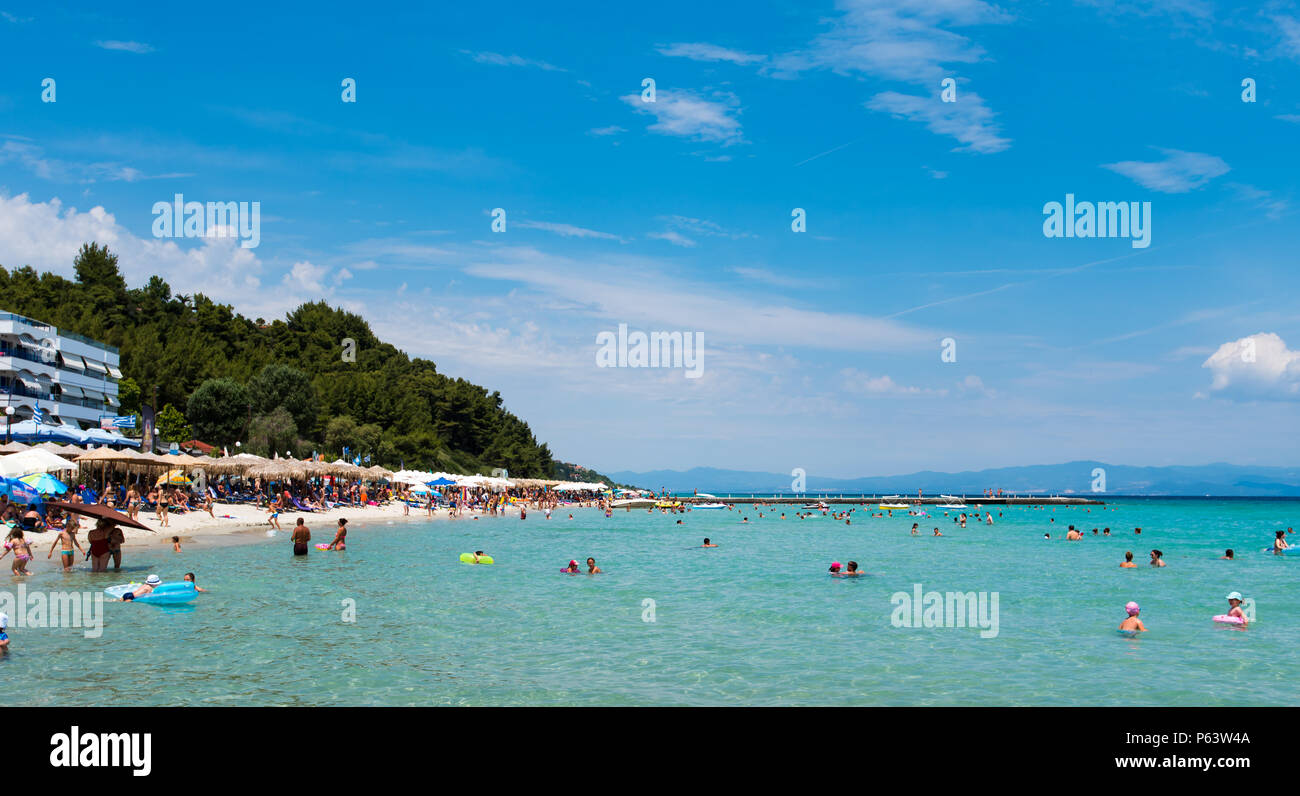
[[37, 416]]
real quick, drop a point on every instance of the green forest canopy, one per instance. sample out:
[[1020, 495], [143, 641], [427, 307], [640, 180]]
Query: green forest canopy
[[278, 386]]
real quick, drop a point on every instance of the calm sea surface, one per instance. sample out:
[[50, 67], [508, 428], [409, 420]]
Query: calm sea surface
[[756, 621]]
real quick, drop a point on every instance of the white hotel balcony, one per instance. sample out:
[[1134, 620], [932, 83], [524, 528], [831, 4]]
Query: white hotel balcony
[[72, 378]]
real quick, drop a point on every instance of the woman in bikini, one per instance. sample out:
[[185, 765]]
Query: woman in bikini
[[132, 502], [164, 499], [67, 539]]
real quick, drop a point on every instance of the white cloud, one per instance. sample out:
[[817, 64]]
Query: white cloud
[[896, 39], [1179, 172], [690, 115], [613, 129], [700, 51], [307, 281], [567, 230], [47, 236], [125, 46], [861, 383], [968, 119], [1256, 367], [497, 59], [673, 237]]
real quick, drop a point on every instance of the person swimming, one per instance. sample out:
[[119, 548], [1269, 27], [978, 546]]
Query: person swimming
[[1280, 543], [1235, 600], [707, 543], [189, 576], [1228, 555], [572, 568], [1128, 560], [1132, 622], [592, 569], [835, 569], [852, 570], [1157, 558]]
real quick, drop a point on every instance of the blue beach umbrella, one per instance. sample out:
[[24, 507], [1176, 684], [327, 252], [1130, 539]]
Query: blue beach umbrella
[[440, 482], [45, 483], [19, 492]]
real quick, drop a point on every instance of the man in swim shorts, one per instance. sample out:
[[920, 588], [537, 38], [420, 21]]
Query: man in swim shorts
[[300, 537]]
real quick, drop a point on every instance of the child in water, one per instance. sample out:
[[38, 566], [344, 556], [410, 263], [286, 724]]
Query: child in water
[[176, 544], [189, 576], [1132, 622], [1235, 600], [22, 551], [572, 568]]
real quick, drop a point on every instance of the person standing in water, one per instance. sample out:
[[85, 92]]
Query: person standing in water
[[592, 569], [340, 536], [1132, 622], [301, 536], [68, 539], [1128, 560]]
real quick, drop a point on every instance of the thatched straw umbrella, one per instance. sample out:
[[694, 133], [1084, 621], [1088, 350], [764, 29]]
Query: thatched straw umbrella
[[378, 473], [238, 464], [277, 470]]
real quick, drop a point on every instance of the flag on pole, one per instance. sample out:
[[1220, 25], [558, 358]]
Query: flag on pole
[[36, 414]]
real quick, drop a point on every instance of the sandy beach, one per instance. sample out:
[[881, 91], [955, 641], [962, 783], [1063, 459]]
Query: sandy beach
[[233, 520]]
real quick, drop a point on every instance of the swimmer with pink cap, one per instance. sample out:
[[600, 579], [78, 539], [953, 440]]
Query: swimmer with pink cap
[[1132, 623], [835, 568]]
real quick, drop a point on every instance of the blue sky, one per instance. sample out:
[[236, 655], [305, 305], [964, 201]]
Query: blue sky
[[822, 348]]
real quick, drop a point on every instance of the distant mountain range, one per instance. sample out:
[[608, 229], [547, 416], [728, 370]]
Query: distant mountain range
[[1228, 480]]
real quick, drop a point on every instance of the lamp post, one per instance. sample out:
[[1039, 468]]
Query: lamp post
[[9, 416]]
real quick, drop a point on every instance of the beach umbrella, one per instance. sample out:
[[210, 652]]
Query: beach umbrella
[[33, 460], [45, 483], [440, 482], [173, 477], [99, 511], [19, 492]]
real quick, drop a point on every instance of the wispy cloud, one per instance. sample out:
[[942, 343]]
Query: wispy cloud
[[497, 59], [968, 120], [1179, 172], [140, 48], [673, 237], [691, 115], [700, 51], [613, 129], [568, 230]]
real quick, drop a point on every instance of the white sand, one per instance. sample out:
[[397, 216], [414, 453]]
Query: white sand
[[248, 518]]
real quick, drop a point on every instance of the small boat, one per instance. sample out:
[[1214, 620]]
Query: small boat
[[818, 506], [950, 502], [629, 503], [709, 506], [668, 504], [894, 503]]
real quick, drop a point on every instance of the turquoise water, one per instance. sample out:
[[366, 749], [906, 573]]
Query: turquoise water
[[756, 621]]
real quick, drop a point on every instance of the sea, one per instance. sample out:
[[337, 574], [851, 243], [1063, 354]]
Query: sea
[[983, 615]]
